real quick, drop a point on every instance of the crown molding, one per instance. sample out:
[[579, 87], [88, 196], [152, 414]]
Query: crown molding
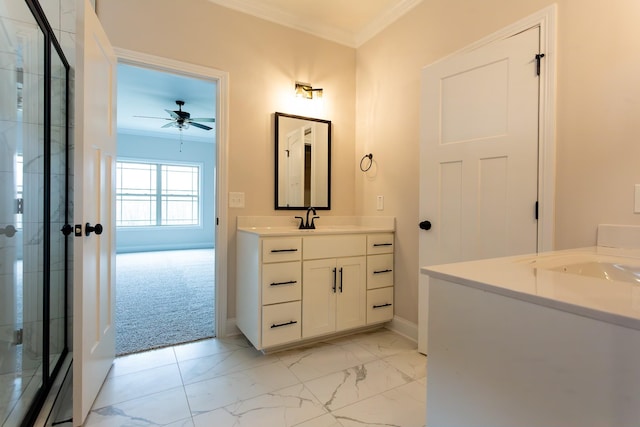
[[383, 20], [351, 39]]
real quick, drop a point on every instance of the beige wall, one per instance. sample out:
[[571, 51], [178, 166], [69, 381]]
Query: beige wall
[[598, 104], [598, 114], [263, 61]]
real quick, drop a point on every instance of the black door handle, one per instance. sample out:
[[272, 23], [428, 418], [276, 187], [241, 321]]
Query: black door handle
[[67, 229], [425, 225], [88, 228]]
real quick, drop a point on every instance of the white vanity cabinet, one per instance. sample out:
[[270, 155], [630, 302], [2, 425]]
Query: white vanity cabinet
[[335, 288], [269, 289], [379, 277], [300, 285]]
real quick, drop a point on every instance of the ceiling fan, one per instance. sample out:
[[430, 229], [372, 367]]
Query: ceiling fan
[[182, 119]]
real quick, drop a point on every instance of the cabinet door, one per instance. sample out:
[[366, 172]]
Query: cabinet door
[[318, 297], [351, 311]]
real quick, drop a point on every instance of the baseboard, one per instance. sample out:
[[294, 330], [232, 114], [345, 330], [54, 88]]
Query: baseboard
[[404, 327], [398, 325], [230, 328]]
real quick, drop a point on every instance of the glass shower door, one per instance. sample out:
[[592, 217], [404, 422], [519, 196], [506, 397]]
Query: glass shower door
[[33, 210], [24, 171]]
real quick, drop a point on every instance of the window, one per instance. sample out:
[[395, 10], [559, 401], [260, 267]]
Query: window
[[157, 194]]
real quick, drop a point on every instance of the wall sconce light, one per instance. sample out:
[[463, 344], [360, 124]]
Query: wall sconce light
[[304, 90]]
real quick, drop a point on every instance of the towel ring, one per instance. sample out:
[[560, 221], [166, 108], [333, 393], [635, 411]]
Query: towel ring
[[370, 157]]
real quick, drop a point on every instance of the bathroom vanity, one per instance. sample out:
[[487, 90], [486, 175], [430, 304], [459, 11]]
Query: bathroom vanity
[[295, 285], [542, 340]]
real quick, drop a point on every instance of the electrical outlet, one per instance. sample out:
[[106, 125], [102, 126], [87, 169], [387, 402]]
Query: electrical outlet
[[236, 200], [380, 203]]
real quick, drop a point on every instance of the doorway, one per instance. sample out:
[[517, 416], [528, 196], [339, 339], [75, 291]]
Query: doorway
[[165, 208]]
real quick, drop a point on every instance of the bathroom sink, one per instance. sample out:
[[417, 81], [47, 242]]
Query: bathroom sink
[[602, 270]]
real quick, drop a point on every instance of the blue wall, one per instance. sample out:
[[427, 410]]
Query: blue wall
[[130, 239]]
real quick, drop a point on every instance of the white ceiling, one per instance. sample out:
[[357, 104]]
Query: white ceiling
[[147, 92]]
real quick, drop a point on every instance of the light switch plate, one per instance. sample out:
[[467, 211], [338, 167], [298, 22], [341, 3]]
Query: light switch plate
[[236, 200], [636, 208], [380, 203]]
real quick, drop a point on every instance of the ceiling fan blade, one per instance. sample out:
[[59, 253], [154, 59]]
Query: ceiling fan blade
[[203, 119], [170, 125], [198, 125], [149, 117], [172, 114]]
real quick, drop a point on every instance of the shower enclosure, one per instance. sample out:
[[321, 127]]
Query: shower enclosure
[[33, 210]]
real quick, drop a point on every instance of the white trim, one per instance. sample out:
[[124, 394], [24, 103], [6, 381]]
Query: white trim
[[352, 39], [232, 329], [222, 161], [383, 21], [404, 327], [546, 20]]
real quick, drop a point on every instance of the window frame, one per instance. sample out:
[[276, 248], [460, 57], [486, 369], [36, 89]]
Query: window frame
[[159, 197]]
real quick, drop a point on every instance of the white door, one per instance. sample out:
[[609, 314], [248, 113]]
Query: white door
[[94, 181], [295, 168], [479, 156]]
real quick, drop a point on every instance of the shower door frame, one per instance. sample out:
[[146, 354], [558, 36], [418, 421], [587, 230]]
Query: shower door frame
[[49, 375]]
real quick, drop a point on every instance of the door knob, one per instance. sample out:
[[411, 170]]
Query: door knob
[[66, 229], [88, 228], [425, 225], [8, 231]]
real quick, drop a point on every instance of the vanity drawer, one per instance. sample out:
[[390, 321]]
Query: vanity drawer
[[281, 323], [380, 305], [381, 243], [279, 249], [316, 247], [281, 282], [379, 271]]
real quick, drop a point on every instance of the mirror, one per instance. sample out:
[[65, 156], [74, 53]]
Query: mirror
[[303, 162]]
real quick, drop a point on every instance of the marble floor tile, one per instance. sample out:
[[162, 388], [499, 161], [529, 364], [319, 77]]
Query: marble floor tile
[[205, 396], [357, 383], [326, 420], [203, 368], [188, 422], [142, 361], [384, 343], [412, 363], [162, 408], [404, 406], [367, 379], [315, 362], [210, 347], [138, 384], [282, 408]]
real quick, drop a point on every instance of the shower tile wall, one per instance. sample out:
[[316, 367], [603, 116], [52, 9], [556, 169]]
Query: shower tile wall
[[21, 256]]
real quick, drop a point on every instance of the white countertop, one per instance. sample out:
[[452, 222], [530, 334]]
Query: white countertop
[[532, 278], [288, 226]]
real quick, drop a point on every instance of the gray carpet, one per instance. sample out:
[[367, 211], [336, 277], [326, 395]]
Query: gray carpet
[[163, 298]]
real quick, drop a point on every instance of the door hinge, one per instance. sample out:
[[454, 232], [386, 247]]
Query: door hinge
[[20, 206], [217, 221], [536, 210], [18, 336], [539, 56]]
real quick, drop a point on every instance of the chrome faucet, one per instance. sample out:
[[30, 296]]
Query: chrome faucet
[[306, 225]]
